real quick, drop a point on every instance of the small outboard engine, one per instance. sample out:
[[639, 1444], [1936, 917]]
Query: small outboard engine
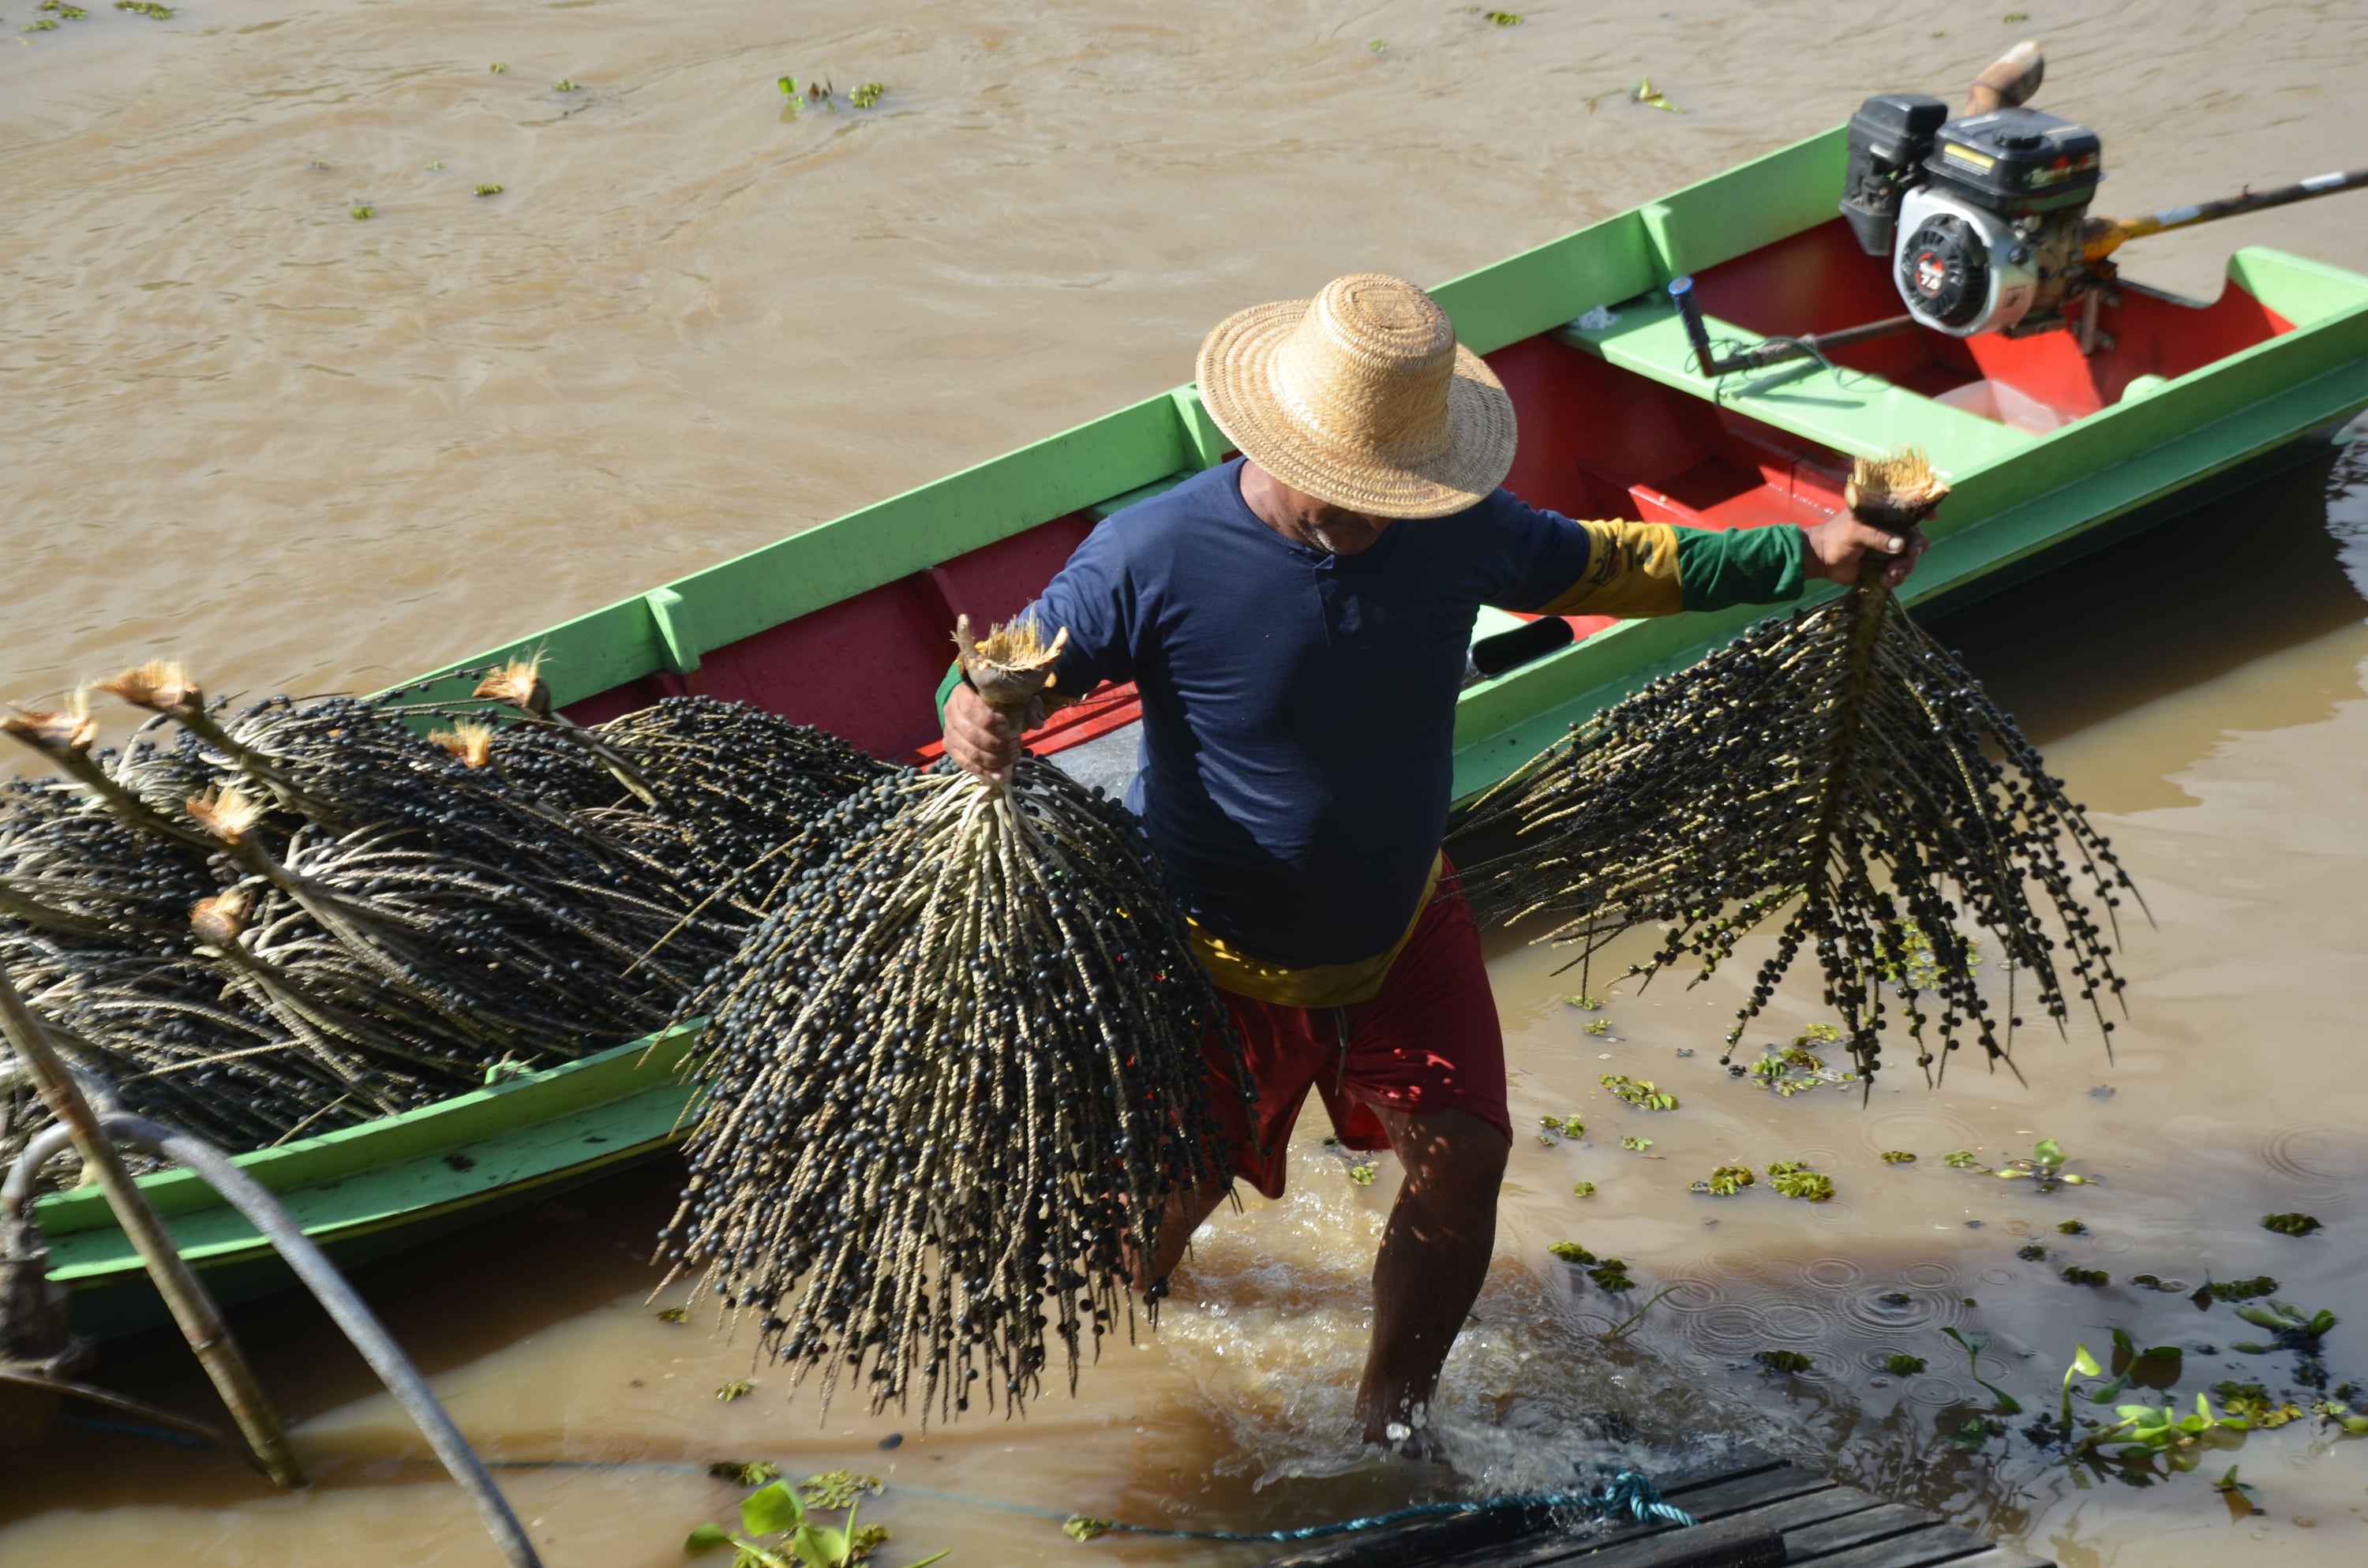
[[1981, 216]]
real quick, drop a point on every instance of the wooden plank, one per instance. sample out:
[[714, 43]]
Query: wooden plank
[[1510, 1535], [1816, 1540], [2002, 1557], [1729, 1509], [1735, 1531], [1927, 1547]]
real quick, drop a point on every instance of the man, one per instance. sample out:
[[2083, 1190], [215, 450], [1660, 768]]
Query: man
[[1297, 621]]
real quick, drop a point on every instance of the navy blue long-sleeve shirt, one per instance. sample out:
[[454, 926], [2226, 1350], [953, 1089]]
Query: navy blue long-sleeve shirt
[[1299, 707]]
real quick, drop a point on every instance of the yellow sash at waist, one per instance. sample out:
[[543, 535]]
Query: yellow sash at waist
[[1320, 985]]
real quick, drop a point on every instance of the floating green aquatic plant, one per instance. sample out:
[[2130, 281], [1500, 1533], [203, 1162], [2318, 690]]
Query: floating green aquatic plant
[[363, 213], [2075, 1275], [1581, 999], [1621, 1329], [674, 1314], [1726, 1181], [779, 1530], [2044, 1170], [1361, 1175], [497, 68], [1782, 1362], [1904, 1366], [1973, 1343], [2290, 1224], [2296, 1330], [1652, 97], [148, 8], [2253, 1403], [1610, 1275], [2238, 1289], [2340, 1414], [2031, 1252], [2072, 1227], [1582, 1189], [1598, 1026], [1897, 1157], [1643, 1093], [1962, 1160], [489, 190], [738, 1388], [1793, 1178], [867, 94], [1571, 1252], [1634, 1144], [1568, 1126], [745, 1472]]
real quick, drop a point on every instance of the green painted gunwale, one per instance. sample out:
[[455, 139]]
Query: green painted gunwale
[[2015, 496]]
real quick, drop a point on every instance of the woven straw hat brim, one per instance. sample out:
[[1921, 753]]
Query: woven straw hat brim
[[1237, 387]]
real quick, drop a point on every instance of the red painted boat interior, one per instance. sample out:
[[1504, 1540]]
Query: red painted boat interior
[[1819, 280], [1597, 441]]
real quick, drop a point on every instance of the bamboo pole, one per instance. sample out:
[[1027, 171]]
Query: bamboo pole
[[201, 1323]]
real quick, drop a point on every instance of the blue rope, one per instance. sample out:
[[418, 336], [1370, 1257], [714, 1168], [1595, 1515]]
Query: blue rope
[[1630, 1492]]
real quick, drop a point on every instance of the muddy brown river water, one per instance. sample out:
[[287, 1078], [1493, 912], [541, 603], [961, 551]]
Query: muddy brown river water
[[307, 452]]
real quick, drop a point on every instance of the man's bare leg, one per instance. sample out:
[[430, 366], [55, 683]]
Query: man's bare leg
[[1434, 1256]]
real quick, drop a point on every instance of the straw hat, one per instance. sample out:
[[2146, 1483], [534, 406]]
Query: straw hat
[[1361, 397]]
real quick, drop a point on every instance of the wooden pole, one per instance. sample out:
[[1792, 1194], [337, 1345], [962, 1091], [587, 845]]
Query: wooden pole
[[201, 1324]]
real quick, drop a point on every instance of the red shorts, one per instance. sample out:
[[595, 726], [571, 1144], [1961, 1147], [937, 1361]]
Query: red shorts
[[1427, 1041]]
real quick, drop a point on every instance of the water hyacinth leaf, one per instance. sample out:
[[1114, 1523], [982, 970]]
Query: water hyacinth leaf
[[1904, 1366], [770, 1510], [836, 1489], [750, 1472], [2290, 1224], [820, 1546], [706, 1538], [1838, 787]]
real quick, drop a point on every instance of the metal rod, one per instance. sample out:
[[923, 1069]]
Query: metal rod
[[255, 1203], [192, 1308], [1773, 350], [2107, 235]]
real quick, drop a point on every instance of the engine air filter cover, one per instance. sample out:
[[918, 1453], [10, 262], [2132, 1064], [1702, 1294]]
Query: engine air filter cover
[[2019, 161]]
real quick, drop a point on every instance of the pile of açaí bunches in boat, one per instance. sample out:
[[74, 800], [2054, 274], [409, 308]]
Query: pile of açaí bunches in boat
[[950, 1066], [265, 921]]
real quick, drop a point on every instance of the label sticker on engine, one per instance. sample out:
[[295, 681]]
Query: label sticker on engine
[[1966, 155]]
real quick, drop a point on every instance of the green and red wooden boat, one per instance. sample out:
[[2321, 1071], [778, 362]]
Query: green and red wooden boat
[[2049, 450]]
